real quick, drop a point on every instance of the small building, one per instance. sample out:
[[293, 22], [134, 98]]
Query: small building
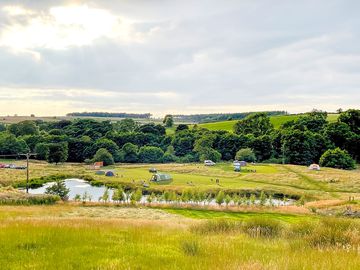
[[314, 167], [110, 174], [161, 177]]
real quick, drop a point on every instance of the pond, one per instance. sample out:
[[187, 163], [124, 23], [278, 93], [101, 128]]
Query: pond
[[80, 187]]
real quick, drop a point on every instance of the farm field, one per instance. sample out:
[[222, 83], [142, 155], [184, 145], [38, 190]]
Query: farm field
[[277, 121], [285, 179], [98, 237]]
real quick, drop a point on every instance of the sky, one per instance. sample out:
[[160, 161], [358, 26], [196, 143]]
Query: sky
[[178, 57]]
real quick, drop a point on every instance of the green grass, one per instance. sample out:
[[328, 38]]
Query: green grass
[[213, 214], [46, 239], [286, 179], [277, 121]]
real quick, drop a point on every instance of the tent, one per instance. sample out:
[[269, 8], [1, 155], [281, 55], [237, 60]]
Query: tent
[[100, 173], [153, 170], [109, 173], [314, 167], [161, 177], [243, 163]]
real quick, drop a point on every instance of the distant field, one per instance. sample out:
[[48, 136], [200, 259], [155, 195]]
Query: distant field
[[277, 121], [17, 119]]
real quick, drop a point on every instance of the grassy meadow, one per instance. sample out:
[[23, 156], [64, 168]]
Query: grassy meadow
[[95, 235], [277, 121], [287, 179], [72, 237]]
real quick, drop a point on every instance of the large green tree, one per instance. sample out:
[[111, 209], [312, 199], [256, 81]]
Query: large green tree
[[257, 124], [58, 152]]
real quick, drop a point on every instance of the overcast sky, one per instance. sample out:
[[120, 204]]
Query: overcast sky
[[178, 56]]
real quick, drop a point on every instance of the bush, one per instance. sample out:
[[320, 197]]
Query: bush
[[216, 226], [337, 158], [58, 189], [261, 227], [190, 247], [245, 154], [333, 232], [103, 155]]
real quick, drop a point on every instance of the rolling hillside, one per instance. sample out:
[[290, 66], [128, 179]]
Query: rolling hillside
[[277, 121]]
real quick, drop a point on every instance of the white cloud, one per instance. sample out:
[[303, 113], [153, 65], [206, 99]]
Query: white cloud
[[63, 27]]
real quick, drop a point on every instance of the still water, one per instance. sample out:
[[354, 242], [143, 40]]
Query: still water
[[80, 187]]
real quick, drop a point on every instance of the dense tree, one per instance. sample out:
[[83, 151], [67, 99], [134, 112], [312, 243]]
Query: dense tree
[[130, 152], [257, 124], [109, 145], [103, 155], [77, 149], [150, 154], [352, 119], [23, 128], [337, 158], [299, 147], [228, 144], [353, 146], [183, 142], [42, 151], [181, 127], [126, 125], [58, 152], [152, 128], [338, 133], [262, 147], [168, 120], [10, 145]]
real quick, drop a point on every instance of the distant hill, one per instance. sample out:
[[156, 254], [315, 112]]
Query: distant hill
[[276, 120], [110, 115], [216, 117]]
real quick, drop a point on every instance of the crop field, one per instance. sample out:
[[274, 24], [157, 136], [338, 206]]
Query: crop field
[[277, 121], [73, 237]]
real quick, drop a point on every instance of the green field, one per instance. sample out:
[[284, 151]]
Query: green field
[[285, 179], [277, 121], [93, 235], [73, 237]]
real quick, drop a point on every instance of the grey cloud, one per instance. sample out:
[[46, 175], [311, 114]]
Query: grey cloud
[[276, 54]]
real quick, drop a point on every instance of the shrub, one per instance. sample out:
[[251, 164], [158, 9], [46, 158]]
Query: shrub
[[333, 232], [190, 247], [58, 189], [337, 158], [220, 197], [216, 226], [261, 227], [245, 154]]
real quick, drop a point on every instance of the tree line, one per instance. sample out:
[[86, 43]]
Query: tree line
[[308, 139]]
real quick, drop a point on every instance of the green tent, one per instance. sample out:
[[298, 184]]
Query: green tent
[[160, 177]]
